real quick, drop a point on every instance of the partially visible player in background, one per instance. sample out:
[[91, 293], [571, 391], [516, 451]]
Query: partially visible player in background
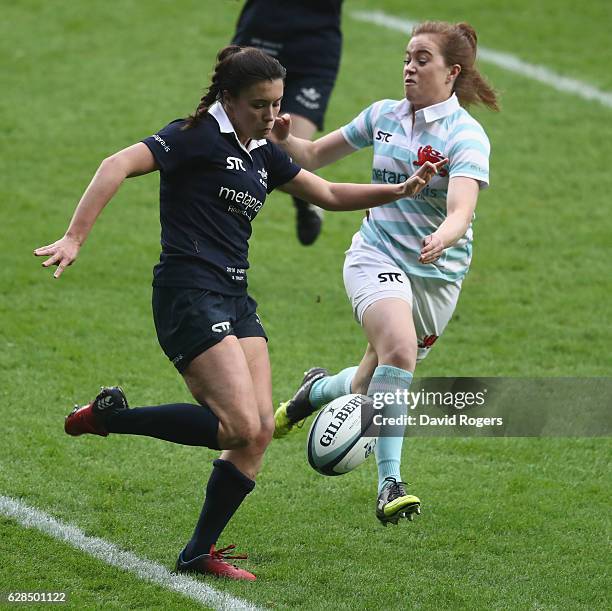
[[305, 37], [404, 269]]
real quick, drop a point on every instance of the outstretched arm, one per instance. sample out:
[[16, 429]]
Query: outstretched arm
[[132, 161], [310, 155], [460, 205], [351, 196]]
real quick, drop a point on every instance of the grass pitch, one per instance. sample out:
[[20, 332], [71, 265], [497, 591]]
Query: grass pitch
[[506, 523]]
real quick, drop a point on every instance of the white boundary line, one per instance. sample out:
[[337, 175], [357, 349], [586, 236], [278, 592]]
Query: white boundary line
[[503, 60], [111, 554]]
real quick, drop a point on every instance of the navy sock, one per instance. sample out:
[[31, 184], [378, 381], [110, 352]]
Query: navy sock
[[191, 425], [297, 202], [226, 489]]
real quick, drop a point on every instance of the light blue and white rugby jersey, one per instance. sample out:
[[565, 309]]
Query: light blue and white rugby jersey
[[441, 130]]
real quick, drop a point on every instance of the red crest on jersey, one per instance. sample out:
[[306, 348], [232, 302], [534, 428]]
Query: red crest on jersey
[[427, 153], [428, 341]]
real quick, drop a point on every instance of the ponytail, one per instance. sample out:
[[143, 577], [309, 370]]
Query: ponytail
[[458, 45]]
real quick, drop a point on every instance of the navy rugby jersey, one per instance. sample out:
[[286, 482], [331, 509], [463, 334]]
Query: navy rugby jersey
[[303, 34], [211, 189]]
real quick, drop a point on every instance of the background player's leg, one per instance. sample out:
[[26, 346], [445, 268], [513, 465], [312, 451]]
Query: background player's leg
[[302, 127], [309, 218]]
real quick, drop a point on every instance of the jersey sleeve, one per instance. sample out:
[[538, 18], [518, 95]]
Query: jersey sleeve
[[281, 168], [469, 152], [359, 132], [173, 146]]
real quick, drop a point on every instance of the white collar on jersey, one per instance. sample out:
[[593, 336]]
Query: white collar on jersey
[[430, 113], [226, 127]]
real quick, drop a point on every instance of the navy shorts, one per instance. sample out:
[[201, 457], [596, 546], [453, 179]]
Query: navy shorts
[[308, 95], [190, 321]]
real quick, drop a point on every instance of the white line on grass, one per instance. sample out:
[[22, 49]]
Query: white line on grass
[[503, 60], [111, 554]]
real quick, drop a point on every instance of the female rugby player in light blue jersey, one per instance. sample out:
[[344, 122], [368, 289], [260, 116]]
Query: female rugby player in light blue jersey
[[216, 168], [404, 269]]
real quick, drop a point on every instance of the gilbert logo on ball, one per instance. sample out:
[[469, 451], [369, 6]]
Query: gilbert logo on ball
[[343, 435]]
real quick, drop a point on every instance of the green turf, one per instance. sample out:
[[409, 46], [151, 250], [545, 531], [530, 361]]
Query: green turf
[[507, 523], [32, 562]]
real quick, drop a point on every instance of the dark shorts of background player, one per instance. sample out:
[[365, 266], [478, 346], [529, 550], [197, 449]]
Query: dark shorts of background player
[[308, 95], [190, 321]]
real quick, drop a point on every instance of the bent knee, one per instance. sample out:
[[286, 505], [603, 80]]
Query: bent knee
[[266, 430], [257, 439], [255, 433], [239, 434]]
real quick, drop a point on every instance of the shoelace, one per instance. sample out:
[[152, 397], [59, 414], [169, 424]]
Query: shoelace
[[221, 554], [396, 487]]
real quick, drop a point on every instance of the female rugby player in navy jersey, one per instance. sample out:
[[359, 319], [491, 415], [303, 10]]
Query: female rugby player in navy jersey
[[216, 168]]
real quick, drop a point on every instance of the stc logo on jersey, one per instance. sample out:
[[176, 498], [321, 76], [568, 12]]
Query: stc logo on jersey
[[234, 163], [390, 277], [383, 136], [221, 327]]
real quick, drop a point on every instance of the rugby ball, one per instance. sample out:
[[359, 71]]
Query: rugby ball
[[342, 435]]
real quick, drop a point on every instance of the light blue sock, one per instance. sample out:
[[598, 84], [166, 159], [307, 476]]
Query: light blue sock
[[327, 389], [388, 379]]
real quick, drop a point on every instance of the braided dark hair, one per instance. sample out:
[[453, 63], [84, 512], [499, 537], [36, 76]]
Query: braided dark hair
[[237, 68]]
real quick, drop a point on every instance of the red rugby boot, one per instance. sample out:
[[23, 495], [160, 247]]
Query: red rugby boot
[[214, 563], [90, 418]]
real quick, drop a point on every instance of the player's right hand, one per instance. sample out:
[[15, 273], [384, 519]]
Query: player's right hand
[[62, 253], [418, 181], [281, 129]]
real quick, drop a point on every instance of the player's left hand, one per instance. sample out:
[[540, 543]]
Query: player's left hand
[[421, 177], [433, 247]]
